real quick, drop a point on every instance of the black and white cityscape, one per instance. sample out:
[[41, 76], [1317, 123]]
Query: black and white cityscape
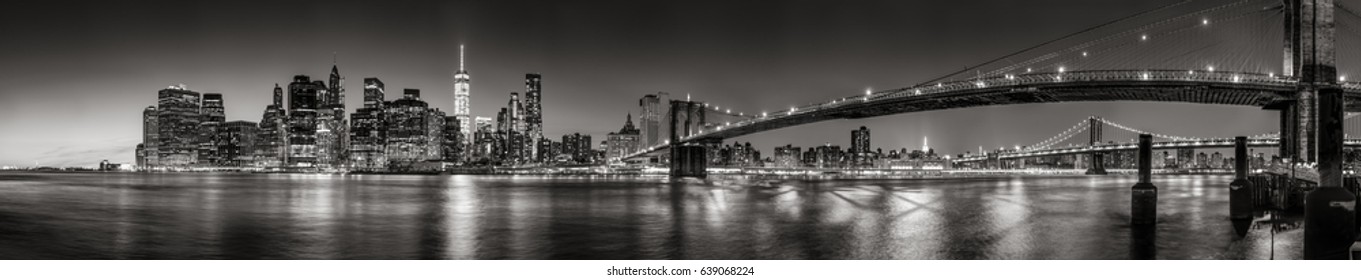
[[666, 130]]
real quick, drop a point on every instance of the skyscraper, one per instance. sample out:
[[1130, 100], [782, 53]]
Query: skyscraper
[[214, 115], [368, 133], [149, 137], [302, 121], [511, 123], [462, 91], [332, 127], [452, 141], [374, 93], [533, 115], [407, 134], [178, 119], [860, 145], [653, 109], [271, 144], [237, 146], [434, 134]]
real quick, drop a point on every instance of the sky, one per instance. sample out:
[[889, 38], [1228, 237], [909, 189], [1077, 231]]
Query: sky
[[75, 75]]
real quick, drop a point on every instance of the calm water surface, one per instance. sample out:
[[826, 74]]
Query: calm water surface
[[283, 216]]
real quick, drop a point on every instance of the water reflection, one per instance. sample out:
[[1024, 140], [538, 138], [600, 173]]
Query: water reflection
[[205, 216]]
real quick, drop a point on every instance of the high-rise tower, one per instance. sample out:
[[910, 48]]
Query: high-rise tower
[[214, 116], [461, 94], [302, 121], [533, 115], [177, 125]]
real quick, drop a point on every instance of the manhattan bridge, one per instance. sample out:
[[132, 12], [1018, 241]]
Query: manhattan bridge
[[1271, 54]]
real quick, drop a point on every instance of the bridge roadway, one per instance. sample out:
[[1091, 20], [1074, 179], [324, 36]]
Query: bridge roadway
[[1198, 144], [1189, 86]]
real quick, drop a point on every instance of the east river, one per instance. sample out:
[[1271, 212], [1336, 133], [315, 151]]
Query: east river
[[303, 216]]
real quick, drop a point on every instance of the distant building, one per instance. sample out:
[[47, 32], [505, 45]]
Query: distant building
[[214, 115], [150, 137], [623, 142], [178, 119], [788, 156], [452, 140], [434, 134], [368, 130], [237, 146], [860, 146], [302, 121], [577, 147], [407, 134], [141, 155], [271, 143]]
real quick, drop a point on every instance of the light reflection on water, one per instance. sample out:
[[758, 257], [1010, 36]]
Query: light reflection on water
[[300, 216]]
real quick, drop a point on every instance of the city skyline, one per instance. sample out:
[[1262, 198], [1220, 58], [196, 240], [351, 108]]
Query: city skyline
[[579, 95]]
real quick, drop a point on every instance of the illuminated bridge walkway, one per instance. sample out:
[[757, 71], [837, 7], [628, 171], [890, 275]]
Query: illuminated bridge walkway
[[1216, 52]]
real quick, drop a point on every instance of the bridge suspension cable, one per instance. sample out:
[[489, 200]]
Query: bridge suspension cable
[[1157, 39]]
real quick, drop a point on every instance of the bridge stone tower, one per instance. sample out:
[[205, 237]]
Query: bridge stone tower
[[1098, 159], [687, 159], [1309, 56], [1311, 127]]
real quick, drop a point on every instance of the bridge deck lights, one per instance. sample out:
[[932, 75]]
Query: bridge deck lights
[[1145, 76], [1211, 68], [1236, 78], [1062, 69]]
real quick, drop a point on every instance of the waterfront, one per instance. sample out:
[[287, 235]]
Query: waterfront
[[298, 216]]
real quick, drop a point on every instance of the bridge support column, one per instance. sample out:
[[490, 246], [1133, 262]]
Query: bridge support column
[[689, 161], [1329, 210], [1288, 139], [1143, 208], [1240, 190], [1097, 166]]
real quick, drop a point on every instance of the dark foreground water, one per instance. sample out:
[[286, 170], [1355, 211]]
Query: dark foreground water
[[243, 216]]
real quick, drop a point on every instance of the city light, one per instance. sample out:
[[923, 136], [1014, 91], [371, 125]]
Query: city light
[[1210, 68], [1061, 69], [1143, 37], [1084, 54], [1205, 22], [868, 91]]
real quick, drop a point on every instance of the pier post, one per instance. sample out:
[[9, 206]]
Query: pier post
[[1144, 201], [1240, 190], [1143, 214], [1329, 210]]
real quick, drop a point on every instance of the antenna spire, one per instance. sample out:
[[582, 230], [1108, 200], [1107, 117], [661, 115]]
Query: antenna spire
[[460, 57]]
